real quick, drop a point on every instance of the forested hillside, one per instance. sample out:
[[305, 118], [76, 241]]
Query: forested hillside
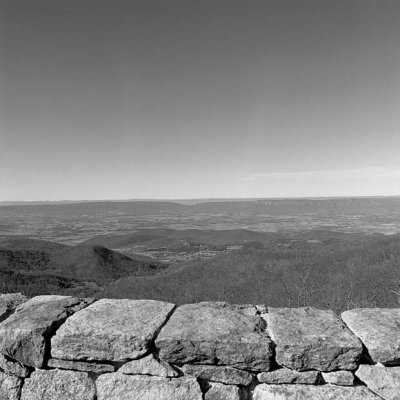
[[43, 267], [322, 268], [334, 277]]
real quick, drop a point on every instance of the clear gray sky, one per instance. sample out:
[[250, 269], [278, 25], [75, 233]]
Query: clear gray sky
[[117, 99]]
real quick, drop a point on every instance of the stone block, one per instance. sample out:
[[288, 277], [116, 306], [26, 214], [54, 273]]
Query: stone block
[[307, 338], [118, 386], [58, 385], [379, 330], [215, 333], [383, 381], [307, 392], [25, 335], [110, 330]]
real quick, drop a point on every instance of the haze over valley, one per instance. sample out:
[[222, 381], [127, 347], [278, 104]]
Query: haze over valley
[[284, 252]]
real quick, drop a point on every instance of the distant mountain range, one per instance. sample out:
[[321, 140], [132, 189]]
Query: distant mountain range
[[353, 205], [190, 201]]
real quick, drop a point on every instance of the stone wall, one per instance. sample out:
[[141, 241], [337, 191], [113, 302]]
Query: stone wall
[[65, 348]]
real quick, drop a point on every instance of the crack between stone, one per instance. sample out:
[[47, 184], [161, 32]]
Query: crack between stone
[[53, 328], [152, 345], [378, 395], [365, 356]]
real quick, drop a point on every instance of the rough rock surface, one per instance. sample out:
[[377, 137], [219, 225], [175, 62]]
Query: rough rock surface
[[118, 386], [10, 387], [149, 366], [379, 330], [13, 367], [80, 366], [13, 299], [261, 309], [113, 330], [24, 335], [227, 375], [308, 338], [248, 309], [218, 391], [8, 303], [383, 381], [341, 378], [285, 375], [307, 392], [58, 385], [215, 333]]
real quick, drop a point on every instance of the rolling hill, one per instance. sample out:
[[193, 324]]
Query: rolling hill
[[360, 275], [322, 268], [26, 261]]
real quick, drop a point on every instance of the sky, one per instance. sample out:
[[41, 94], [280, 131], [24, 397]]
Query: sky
[[173, 99]]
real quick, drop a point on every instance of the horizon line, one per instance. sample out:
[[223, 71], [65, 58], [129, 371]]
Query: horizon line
[[10, 202]]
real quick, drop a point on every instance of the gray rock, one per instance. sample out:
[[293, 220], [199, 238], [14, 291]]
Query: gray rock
[[148, 366], [139, 387], [8, 303], [307, 338], [341, 378], [13, 299], [379, 330], [218, 391], [385, 382], [261, 309], [284, 375], [24, 335], [111, 330], [10, 387], [227, 375], [215, 333], [307, 392], [13, 367], [248, 309], [80, 366], [58, 385]]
